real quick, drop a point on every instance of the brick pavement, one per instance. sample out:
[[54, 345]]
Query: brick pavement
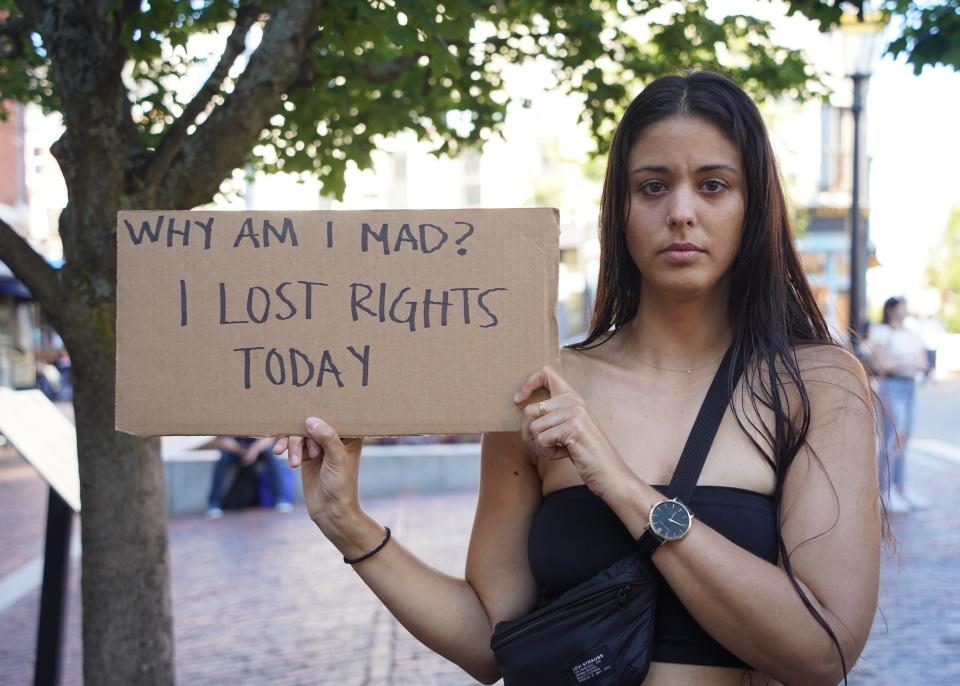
[[20, 492], [262, 598]]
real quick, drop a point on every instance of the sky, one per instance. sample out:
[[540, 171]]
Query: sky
[[914, 146]]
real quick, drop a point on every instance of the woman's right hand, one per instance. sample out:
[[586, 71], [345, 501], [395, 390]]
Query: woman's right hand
[[330, 470]]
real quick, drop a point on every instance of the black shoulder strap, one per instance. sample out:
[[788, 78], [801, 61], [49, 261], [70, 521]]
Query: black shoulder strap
[[704, 430], [701, 437]]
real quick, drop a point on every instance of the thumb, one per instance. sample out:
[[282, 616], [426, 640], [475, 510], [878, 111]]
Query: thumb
[[327, 438]]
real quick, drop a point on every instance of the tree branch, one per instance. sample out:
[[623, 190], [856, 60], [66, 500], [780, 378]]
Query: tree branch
[[221, 143], [176, 135], [30, 267]]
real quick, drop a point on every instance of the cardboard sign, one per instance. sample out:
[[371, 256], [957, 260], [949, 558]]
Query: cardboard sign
[[45, 438], [381, 322]]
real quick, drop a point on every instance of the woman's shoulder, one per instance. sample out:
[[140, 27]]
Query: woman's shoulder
[[832, 380], [830, 371], [582, 363], [816, 364], [812, 356]]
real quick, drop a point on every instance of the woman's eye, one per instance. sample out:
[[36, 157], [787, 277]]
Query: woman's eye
[[714, 186], [652, 188]]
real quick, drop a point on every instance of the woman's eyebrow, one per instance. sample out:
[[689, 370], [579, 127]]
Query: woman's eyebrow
[[660, 169], [717, 167], [650, 168]]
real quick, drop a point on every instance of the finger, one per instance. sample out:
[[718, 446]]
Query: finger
[[326, 437], [295, 451], [534, 411], [550, 420], [551, 443], [545, 377], [313, 449], [525, 431], [280, 447]]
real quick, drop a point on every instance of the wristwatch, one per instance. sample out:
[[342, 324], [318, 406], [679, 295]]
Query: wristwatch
[[670, 520]]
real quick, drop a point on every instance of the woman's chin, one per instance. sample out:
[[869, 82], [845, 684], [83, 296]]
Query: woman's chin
[[684, 287]]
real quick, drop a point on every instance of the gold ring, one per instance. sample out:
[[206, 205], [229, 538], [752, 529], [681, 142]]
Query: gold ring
[[542, 406]]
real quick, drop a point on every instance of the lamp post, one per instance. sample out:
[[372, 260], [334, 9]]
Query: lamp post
[[861, 42]]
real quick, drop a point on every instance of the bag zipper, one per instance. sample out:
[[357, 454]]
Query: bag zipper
[[622, 592]]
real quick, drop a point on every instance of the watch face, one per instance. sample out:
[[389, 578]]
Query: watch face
[[669, 520]]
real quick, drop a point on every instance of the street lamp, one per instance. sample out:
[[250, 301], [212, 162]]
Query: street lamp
[[861, 34]]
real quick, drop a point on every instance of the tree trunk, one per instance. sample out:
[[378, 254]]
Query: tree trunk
[[127, 620]]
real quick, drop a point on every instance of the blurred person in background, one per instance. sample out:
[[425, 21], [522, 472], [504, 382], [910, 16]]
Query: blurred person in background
[[244, 453], [898, 357]]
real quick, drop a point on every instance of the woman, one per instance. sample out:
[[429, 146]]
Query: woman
[[898, 357], [697, 257]]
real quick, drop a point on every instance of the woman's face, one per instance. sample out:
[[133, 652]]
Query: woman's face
[[686, 198], [899, 312]]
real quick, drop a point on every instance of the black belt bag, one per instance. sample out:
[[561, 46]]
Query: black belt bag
[[600, 632]]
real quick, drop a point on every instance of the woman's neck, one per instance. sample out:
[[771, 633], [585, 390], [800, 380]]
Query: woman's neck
[[679, 334]]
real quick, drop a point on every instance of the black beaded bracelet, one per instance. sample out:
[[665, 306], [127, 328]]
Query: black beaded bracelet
[[373, 552]]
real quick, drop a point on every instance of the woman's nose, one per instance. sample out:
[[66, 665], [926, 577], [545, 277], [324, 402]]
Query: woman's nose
[[681, 213]]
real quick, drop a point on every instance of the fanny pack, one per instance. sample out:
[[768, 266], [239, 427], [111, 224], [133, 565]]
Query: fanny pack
[[600, 632]]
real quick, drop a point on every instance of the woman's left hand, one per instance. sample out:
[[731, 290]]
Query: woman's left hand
[[562, 427]]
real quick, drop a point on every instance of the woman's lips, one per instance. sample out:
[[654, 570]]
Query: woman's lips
[[683, 253]]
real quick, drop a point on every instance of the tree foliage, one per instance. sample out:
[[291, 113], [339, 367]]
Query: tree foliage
[[943, 271], [372, 68], [926, 32]]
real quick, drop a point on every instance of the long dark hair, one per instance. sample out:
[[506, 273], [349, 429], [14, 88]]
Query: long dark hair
[[771, 306], [888, 306]]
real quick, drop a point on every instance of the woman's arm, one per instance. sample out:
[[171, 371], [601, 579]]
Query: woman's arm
[[831, 529], [452, 616]]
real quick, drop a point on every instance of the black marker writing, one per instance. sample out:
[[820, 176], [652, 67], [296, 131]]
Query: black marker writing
[[463, 251], [246, 363], [429, 238], [152, 233], [484, 307], [406, 305], [364, 360], [249, 233], [444, 304], [296, 368], [260, 302], [183, 302]]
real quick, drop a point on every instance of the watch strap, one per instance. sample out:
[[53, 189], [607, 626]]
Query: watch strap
[[649, 542], [701, 436]]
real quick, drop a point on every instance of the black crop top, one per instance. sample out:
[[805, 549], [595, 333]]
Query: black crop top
[[575, 534]]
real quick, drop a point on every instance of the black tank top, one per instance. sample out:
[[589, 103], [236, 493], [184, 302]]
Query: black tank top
[[575, 534]]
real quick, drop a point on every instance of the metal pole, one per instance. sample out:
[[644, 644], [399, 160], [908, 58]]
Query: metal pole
[[53, 595], [858, 243]]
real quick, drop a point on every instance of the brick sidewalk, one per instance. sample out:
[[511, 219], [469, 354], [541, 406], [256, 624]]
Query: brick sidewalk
[[262, 598]]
